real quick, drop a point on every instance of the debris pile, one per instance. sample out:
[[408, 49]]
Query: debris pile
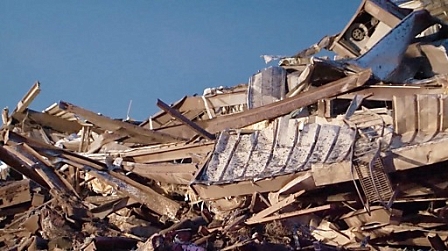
[[312, 154]]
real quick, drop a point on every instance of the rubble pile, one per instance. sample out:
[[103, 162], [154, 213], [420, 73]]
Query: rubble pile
[[312, 154]]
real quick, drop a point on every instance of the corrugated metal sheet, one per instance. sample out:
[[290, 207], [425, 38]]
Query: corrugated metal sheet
[[279, 149]]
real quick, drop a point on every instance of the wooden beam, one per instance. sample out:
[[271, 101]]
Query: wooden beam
[[114, 125], [163, 172], [13, 139], [167, 153], [49, 121], [192, 107], [293, 214], [43, 167], [28, 98], [5, 116], [20, 166], [274, 208], [141, 193], [287, 105], [177, 115], [274, 110]]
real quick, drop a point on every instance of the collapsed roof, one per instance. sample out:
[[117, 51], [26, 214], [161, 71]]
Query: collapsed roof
[[341, 149]]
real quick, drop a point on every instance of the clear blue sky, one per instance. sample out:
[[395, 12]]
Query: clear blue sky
[[102, 54]]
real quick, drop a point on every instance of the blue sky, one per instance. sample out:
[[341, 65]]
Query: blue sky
[[102, 54]]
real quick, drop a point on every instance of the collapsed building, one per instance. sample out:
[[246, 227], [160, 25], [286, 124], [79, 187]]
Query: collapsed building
[[312, 154]]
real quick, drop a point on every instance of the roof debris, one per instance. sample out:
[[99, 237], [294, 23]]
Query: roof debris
[[312, 154]]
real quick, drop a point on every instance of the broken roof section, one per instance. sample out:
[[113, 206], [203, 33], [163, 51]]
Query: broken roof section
[[337, 151]]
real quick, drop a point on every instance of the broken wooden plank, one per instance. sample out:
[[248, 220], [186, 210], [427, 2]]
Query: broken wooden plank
[[5, 116], [12, 139], [48, 121], [195, 105], [141, 193], [47, 173], [164, 172], [20, 166], [168, 153], [176, 114], [46, 169], [293, 214], [28, 98], [286, 105], [113, 125], [354, 105], [274, 208]]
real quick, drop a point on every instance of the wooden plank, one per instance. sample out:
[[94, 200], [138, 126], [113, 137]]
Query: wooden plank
[[47, 171], [169, 153], [295, 213], [274, 208], [287, 105], [40, 165], [12, 138], [28, 98], [5, 116], [195, 106], [144, 194], [22, 167], [163, 172], [113, 125], [141, 193], [47, 120], [176, 114], [354, 105]]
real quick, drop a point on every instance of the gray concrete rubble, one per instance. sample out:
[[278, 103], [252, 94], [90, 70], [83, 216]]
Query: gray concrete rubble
[[347, 153]]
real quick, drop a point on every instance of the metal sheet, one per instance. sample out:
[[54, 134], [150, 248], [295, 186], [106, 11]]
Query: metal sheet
[[276, 150], [266, 87], [384, 58]]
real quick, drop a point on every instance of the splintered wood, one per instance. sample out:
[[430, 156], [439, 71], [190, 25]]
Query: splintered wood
[[313, 154]]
